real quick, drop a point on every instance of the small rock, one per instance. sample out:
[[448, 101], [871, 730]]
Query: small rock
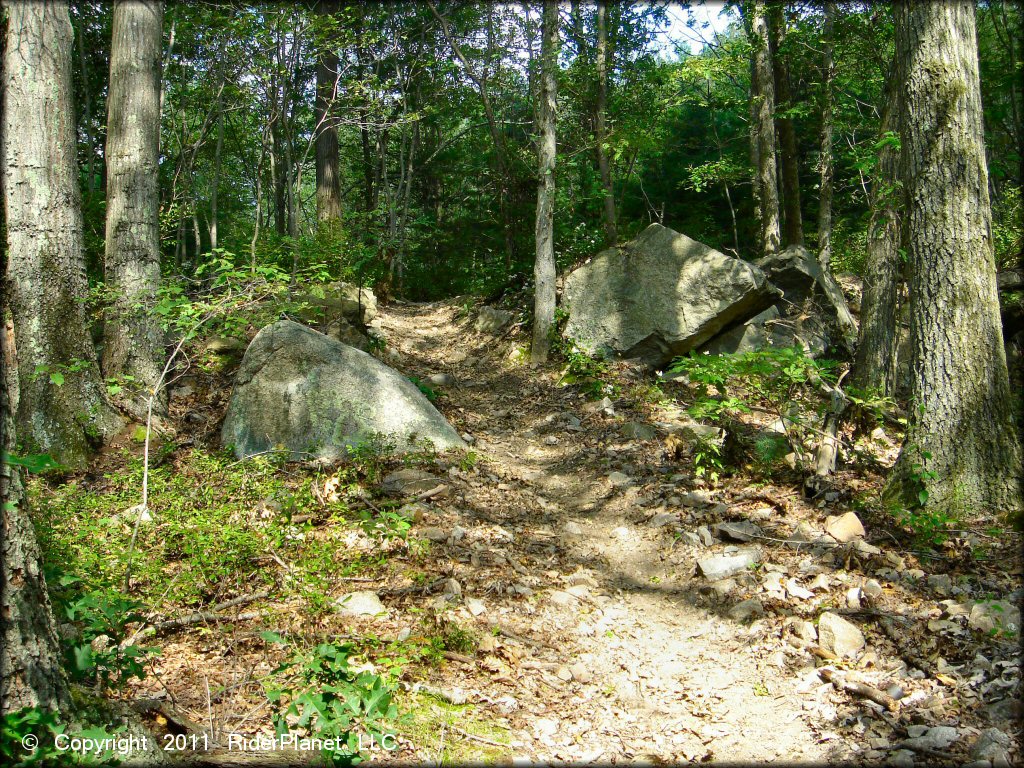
[[748, 609], [363, 603], [940, 583], [619, 479], [995, 615], [839, 636], [407, 481], [580, 673], [468, 438], [637, 430], [475, 606], [896, 691], [916, 731], [724, 587], [806, 631], [795, 590], [724, 566], [704, 533], [433, 533], [521, 589], [491, 320], [441, 379], [558, 597], [902, 758], [550, 440], [844, 528], [737, 531], [452, 587], [821, 581], [992, 745], [404, 634], [690, 538], [662, 519], [412, 512], [872, 589], [937, 737], [563, 673], [573, 529]]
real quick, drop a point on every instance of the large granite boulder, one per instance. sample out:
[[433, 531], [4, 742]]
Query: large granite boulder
[[314, 396], [339, 300], [813, 304], [659, 296]]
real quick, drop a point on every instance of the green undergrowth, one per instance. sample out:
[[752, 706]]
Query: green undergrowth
[[453, 734]]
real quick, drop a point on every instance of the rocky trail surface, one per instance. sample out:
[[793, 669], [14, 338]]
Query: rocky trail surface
[[584, 555]]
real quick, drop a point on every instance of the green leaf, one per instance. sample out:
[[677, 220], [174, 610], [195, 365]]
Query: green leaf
[[57, 379], [35, 463]]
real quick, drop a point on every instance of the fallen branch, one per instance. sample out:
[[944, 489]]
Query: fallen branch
[[200, 616], [863, 690]]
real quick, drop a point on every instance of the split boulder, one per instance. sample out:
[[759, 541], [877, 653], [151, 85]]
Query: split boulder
[[660, 296]]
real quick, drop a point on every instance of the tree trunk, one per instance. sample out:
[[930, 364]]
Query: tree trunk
[[961, 453], [544, 264], [30, 660], [789, 157], [874, 366], [825, 159], [61, 406], [604, 57], [328, 172], [218, 150], [762, 127], [133, 339]]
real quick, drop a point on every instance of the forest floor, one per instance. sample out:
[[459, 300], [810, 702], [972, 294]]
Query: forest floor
[[558, 567]]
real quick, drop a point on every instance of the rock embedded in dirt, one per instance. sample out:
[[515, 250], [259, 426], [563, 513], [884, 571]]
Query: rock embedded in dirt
[[316, 397], [620, 480], [995, 615], [839, 636], [637, 430], [432, 533], [844, 528], [936, 737], [441, 379], [490, 320], [741, 530], [408, 481], [746, 610], [342, 330], [992, 745], [660, 296], [723, 566], [362, 603]]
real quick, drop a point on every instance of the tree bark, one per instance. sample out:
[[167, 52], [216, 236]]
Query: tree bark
[[218, 149], [604, 56], [30, 660], [328, 171], [762, 127], [61, 406], [874, 365], [544, 263], [825, 160], [789, 156], [961, 453], [133, 339]]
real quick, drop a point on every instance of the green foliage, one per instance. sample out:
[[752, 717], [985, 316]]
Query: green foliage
[[428, 392], [588, 372], [324, 697], [707, 458], [36, 463], [23, 728]]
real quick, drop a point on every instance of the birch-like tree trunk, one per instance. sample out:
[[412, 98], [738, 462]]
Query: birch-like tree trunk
[[61, 405], [544, 263], [789, 156], [825, 160], [600, 129], [961, 453], [133, 339], [762, 128], [328, 170]]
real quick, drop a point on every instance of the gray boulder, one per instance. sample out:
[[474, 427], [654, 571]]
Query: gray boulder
[[659, 296], [756, 333], [314, 396], [339, 300], [491, 320], [812, 302]]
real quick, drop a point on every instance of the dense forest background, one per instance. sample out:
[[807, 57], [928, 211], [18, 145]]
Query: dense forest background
[[433, 109]]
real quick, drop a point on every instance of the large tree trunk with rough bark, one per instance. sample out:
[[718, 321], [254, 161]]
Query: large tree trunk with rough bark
[[133, 339], [61, 406], [961, 453], [30, 659], [875, 362], [600, 128], [544, 263], [328, 170], [825, 159], [789, 157], [762, 128]]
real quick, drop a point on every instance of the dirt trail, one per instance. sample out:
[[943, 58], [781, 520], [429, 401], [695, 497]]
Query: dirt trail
[[658, 671]]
